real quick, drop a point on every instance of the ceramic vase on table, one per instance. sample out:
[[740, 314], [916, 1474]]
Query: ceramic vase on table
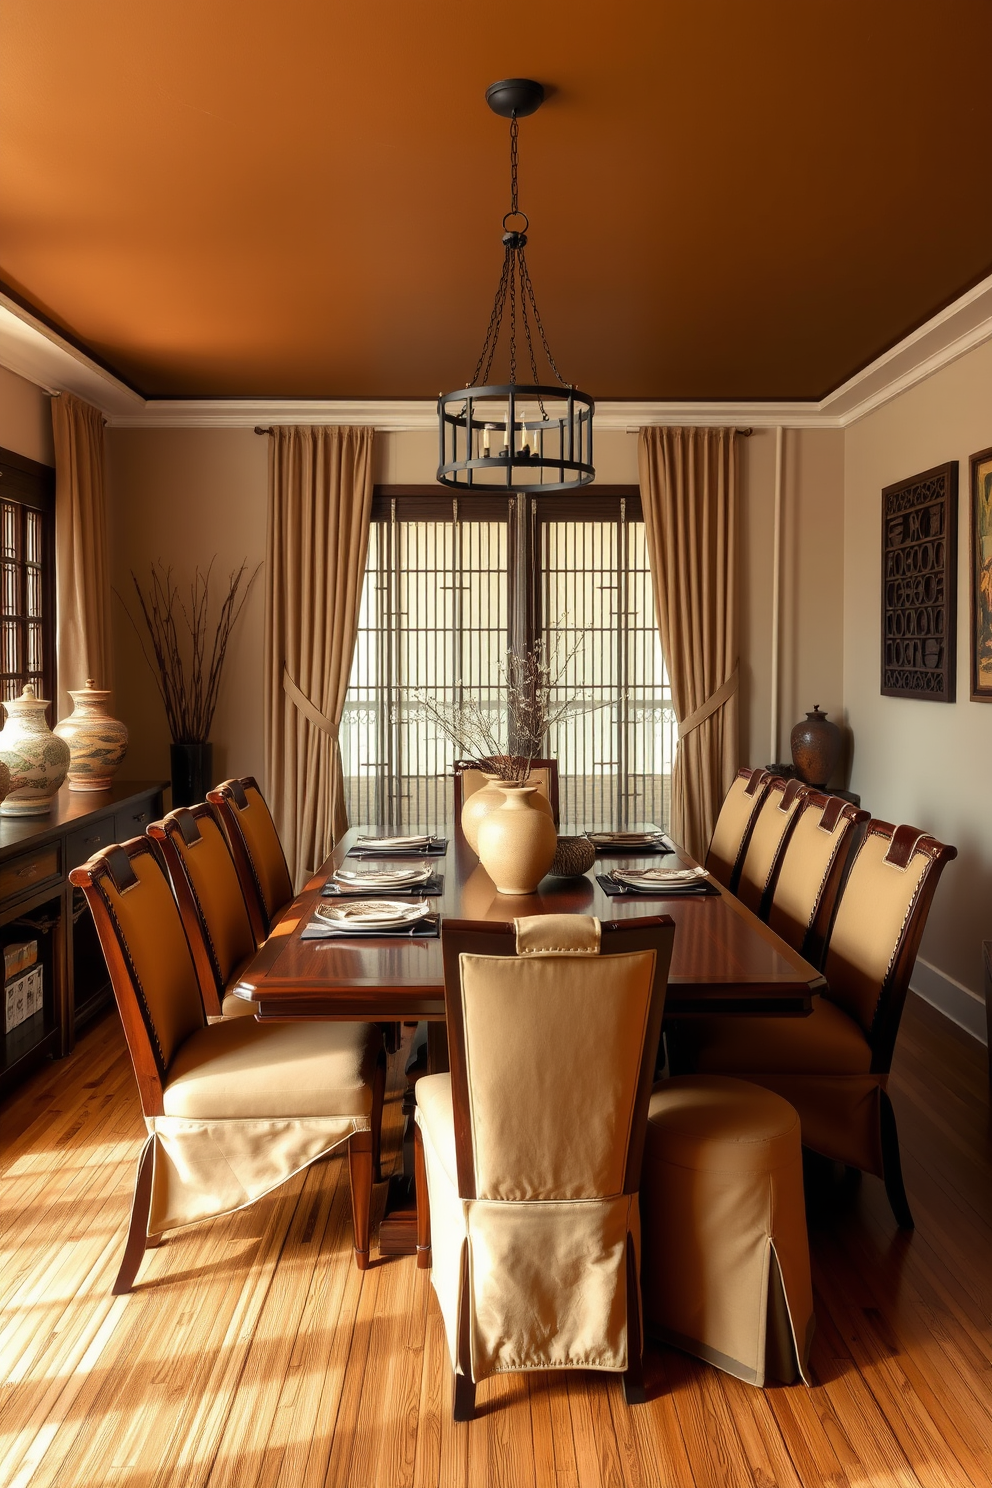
[[487, 799], [38, 761], [517, 842], [97, 743], [815, 748]]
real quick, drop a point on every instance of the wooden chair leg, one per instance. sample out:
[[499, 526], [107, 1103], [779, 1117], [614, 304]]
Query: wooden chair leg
[[137, 1234], [463, 1401], [463, 1397], [423, 1202], [892, 1166], [360, 1173], [378, 1098], [633, 1376]]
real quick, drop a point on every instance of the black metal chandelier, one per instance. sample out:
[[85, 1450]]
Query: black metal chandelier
[[515, 436]]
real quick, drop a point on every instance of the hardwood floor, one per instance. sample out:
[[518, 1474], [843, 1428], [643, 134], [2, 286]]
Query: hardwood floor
[[254, 1353]]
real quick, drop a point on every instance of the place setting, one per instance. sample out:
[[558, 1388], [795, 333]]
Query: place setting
[[424, 845], [372, 918], [651, 841], [419, 879], [661, 883]]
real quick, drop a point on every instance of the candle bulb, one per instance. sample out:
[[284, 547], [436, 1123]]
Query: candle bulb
[[506, 435], [485, 440]]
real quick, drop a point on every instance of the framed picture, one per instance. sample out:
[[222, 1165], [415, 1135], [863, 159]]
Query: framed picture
[[981, 577], [919, 585]]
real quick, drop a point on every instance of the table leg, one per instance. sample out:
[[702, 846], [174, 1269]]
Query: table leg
[[398, 1230]]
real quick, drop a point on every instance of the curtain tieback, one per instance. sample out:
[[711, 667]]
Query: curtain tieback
[[310, 712], [705, 710]]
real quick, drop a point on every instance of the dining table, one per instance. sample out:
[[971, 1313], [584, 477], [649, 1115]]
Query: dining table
[[724, 960]]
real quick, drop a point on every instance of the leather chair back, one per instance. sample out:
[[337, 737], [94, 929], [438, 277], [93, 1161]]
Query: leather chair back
[[261, 861], [878, 927], [148, 957], [776, 817], [732, 832], [810, 870], [209, 893]]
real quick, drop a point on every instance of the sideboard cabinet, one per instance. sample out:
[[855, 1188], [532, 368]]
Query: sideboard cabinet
[[37, 902]]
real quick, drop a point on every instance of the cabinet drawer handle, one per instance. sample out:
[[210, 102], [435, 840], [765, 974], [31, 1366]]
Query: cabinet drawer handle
[[140, 816], [29, 871], [97, 838]]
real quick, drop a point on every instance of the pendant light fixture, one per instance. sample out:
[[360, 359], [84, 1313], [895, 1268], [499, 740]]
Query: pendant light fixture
[[515, 435]]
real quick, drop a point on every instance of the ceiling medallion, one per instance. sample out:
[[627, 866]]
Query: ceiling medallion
[[515, 436]]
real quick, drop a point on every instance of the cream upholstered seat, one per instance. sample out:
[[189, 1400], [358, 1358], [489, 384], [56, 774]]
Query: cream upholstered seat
[[530, 1150], [211, 901], [725, 1259], [834, 1066], [232, 1108], [810, 871], [725, 855], [770, 828], [257, 851]]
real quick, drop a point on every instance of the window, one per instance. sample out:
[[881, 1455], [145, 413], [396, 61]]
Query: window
[[27, 576], [450, 586]]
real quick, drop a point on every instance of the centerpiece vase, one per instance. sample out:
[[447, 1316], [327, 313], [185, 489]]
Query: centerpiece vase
[[490, 798], [97, 743], [517, 841], [37, 760]]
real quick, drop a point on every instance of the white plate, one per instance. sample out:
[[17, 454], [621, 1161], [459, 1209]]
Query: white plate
[[658, 877], [385, 844], [383, 878], [625, 839], [373, 914]]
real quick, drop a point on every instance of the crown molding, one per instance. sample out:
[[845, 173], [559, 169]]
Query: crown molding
[[38, 353]]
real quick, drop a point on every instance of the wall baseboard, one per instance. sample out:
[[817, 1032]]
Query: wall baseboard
[[953, 999]]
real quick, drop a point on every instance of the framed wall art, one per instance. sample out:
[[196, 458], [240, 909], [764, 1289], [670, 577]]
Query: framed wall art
[[919, 585], [981, 576]]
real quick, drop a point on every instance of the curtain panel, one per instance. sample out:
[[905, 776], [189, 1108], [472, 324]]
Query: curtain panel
[[320, 503], [82, 566], [689, 498]]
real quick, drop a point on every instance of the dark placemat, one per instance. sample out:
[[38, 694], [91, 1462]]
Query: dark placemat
[[430, 889], [420, 930], [663, 847], [436, 850], [619, 891]]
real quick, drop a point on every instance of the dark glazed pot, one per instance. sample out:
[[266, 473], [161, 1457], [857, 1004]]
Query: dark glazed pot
[[192, 773], [815, 748]]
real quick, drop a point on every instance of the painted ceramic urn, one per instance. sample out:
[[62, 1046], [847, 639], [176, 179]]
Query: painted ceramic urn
[[815, 748], [517, 842], [97, 743], [38, 762]]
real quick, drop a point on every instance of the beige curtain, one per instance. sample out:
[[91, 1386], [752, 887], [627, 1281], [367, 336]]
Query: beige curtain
[[689, 485], [82, 566], [320, 502]]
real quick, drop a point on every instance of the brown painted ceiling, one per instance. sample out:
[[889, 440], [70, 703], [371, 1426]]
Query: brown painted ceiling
[[303, 199]]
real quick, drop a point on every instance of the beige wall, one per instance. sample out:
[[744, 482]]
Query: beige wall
[[25, 419], [922, 762], [185, 495]]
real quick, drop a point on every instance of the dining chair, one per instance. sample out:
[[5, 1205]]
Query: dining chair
[[256, 849], [232, 1108], [810, 869], [729, 842], [470, 777], [833, 1066], [770, 830], [211, 901], [528, 1154]]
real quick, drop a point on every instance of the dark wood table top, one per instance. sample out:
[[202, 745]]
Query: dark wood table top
[[724, 960]]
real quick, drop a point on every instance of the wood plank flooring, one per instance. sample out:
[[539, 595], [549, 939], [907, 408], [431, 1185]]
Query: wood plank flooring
[[253, 1353]]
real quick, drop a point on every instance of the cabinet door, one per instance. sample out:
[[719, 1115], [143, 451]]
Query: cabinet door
[[85, 841]]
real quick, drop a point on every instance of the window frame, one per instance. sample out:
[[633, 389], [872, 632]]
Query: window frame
[[30, 485]]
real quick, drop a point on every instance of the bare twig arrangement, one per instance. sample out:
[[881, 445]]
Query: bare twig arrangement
[[505, 741], [187, 653]]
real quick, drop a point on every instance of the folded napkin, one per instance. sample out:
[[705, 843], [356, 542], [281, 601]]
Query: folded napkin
[[666, 888], [424, 929], [370, 847], [423, 888]]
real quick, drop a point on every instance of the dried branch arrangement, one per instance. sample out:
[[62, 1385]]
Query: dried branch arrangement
[[505, 743], [183, 648]]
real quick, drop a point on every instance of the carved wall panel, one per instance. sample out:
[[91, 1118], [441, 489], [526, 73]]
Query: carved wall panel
[[919, 585]]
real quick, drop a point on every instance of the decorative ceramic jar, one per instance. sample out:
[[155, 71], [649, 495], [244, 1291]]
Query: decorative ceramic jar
[[815, 748], [4, 780], [517, 842], [489, 798], [574, 856], [97, 743], [36, 759]]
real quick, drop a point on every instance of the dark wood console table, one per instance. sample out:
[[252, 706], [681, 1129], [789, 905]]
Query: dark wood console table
[[38, 903]]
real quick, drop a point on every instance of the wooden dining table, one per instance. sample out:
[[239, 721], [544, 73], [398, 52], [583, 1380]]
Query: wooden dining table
[[725, 960]]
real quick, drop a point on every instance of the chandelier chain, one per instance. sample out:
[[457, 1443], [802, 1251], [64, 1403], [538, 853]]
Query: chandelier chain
[[514, 132], [495, 323]]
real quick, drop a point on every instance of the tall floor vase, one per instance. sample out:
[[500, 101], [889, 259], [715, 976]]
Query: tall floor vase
[[192, 772]]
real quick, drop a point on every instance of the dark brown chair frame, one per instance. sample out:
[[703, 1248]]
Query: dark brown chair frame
[[115, 863], [831, 809], [229, 798], [486, 938]]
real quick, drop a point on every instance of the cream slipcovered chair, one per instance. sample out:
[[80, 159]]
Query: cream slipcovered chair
[[808, 875], [833, 1066], [770, 829], [725, 1268], [725, 855], [232, 1108], [530, 1150], [211, 901], [257, 851]]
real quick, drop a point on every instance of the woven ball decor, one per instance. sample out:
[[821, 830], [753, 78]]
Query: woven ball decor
[[574, 856]]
